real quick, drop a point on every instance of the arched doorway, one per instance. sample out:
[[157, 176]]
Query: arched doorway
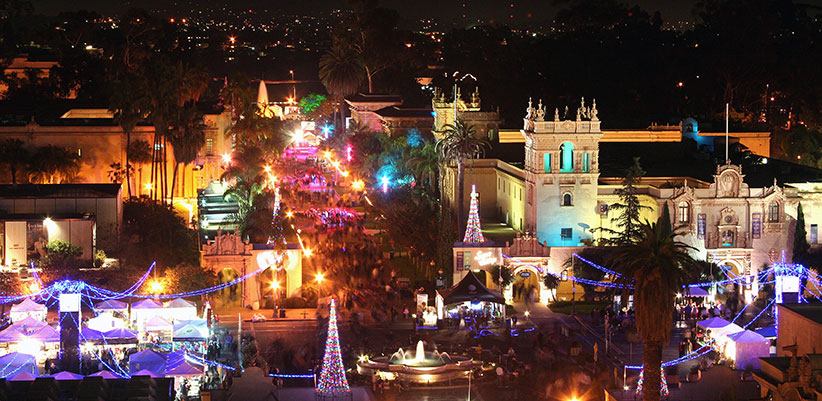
[[230, 296], [527, 283]]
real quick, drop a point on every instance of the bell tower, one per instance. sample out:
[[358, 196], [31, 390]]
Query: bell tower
[[561, 173]]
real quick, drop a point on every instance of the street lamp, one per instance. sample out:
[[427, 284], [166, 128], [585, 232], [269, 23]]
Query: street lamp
[[319, 278], [275, 286]]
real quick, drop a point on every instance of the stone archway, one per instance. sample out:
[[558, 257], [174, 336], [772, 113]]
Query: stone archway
[[527, 278], [231, 295]]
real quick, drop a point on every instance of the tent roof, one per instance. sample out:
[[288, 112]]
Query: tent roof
[[180, 303], [158, 323], [147, 356], [111, 304], [470, 289], [46, 334], [105, 375], [90, 334], [14, 362], [28, 306], [184, 369], [120, 333], [713, 323], [769, 331], [697, 292], [67, 376], [747, 336], [22, 377], [190, 330], [146, 372], [146, 304]]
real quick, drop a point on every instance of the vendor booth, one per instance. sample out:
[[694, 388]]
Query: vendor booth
[[147, 360], [28, 308], [469, 297], [112, 306], [719, 328], [105, 322], [159, 327], [143, 310], [120, 336], [15, 362], [180, 309], [745, 348]]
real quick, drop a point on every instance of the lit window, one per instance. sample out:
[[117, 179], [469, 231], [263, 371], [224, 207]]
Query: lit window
[[586, 162], [565, 233], [209, 145], [728, 237], [773, 212], [814, 234], [684, 212], [547, 162]]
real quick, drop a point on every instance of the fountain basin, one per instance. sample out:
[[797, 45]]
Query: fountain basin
[[418, 366]]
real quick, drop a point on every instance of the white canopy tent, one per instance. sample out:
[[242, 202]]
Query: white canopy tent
[[105, 322], [28, 308], [180, 309], [746, 347], [158, 324], [719, 327], [144, 310]]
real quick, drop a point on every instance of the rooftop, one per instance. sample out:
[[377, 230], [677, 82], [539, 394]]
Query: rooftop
[[402, 112], [59, 191], [374, 98], [811, 312]]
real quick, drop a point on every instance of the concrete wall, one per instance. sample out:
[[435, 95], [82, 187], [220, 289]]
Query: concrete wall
[[795, 329]]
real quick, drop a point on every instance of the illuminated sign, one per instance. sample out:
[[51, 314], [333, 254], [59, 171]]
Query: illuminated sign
[[485, 258], [271, 259]]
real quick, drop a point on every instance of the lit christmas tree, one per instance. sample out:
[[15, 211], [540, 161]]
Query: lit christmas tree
[[332, 384], [275, 220], [663, 390], [473, 231]]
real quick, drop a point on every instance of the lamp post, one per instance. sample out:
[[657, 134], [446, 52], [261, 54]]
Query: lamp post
[[275, 287], [319, 278]]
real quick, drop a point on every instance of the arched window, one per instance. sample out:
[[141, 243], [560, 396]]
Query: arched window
[[684, 212], [567, 200], [566, 157], [773, 212]]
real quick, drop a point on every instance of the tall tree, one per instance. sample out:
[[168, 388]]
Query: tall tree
[[800, 240], [127, 103], [342, 71], [186, 137], [627, 221], [53, 165], [458, 144], [423, 163], [657, 263], [14, 154]]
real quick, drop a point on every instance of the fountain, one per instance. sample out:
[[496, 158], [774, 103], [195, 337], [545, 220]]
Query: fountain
[[417, 366]]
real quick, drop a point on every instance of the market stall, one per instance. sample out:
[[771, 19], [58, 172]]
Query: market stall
[[16, 362], [120, 336], [28, 308], [745, 348], [158, 328], [180, 309], [147, 360], [144, 310], [105, 322], [469, 297], [718, 328], [111, 306]]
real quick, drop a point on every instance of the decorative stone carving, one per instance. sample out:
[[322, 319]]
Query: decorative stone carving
[[225, 244], [540, 112]]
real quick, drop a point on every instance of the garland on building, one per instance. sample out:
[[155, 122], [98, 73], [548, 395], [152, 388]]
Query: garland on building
[[663, 390], [332, 377], [473, 231]]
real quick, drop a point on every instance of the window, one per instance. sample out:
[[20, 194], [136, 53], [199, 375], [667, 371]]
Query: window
[[565, 233], [586, 162], [684, 212], [79, 152], [566, 200], [499, 183], [566, 157], [209, 145], [547, 162], [773, 212], [728, 237], [814, 234]]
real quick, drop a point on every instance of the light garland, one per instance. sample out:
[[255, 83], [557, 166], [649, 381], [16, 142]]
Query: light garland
[[473, 229], [663, 390], [332, 377]]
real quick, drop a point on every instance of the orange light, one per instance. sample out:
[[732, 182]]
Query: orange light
[[227, 158], [275, 284], [320, 277], [156, 287]]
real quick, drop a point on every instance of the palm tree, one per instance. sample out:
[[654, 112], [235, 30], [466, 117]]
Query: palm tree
[[13, 153], [551, 283], [423, 163], [342, 71], [139, 153], [657, 263], [127, 103], [187, 137], [53, 165], [458, 144]]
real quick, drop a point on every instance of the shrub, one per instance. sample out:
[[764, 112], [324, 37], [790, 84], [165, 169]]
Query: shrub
[[99, 257], [294, 303], [62, 254]]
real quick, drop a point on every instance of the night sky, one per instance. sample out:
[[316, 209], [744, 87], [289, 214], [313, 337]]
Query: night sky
[[485, 9]]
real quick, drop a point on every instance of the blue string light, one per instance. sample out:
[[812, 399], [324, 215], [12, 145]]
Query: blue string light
[[284, 376]]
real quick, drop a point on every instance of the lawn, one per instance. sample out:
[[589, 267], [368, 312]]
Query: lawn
[[582, 307]]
